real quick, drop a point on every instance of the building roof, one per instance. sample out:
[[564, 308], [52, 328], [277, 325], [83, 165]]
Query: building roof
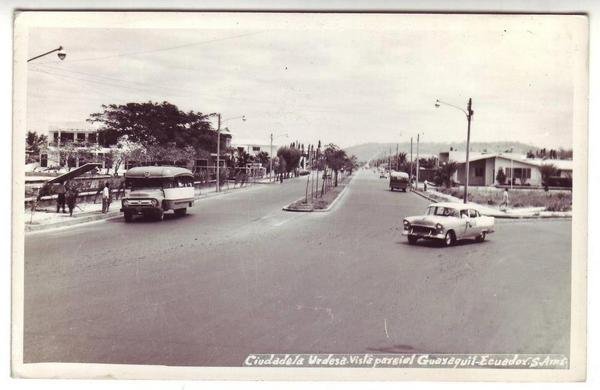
[[460, 158], [154, 172]]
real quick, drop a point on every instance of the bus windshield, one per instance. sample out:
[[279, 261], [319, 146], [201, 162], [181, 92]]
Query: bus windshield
[[139, 182]]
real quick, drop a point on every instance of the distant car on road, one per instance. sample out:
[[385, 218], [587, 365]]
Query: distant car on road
[[399, 180], [448, 223], [382, 174]]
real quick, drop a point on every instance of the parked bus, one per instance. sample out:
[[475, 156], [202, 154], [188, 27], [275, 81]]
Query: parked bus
[[399, 180], [151, 191]]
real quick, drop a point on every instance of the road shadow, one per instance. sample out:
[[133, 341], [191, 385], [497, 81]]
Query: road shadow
[[149, 219], [439, 244]]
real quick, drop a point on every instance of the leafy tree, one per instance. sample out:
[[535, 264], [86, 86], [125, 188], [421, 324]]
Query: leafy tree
[[125, 151], [335, 159], [290, 158], [154, 123], [443, 174], [547, 171], [33, 145], [351, 163], [501, 177]]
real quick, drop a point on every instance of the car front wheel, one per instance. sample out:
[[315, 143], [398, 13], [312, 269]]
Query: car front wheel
[[481, 237], [449, 239], [412, 240]]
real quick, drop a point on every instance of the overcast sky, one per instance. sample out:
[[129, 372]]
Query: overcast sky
[[360, 79]]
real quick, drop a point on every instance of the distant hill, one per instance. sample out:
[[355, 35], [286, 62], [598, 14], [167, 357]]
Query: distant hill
[[368, 151]]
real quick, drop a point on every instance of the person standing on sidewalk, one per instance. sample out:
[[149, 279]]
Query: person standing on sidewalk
[[60, 200], [504, 203], [71, 198], [105, 198]]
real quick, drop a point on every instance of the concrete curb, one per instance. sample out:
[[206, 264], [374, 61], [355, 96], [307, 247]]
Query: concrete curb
[[71, 222], [312, 210], [505, 216], [424, 196]]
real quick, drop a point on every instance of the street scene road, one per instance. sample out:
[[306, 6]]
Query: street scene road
[[238, 275]]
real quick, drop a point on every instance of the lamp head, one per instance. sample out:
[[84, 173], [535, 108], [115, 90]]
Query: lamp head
[[61, 54], [437, 103], [244, 118]]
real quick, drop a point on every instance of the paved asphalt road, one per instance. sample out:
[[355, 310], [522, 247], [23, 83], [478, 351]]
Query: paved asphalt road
[[237, 276]]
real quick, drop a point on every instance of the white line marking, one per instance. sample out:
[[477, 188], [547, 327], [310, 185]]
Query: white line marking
[[385, 327]]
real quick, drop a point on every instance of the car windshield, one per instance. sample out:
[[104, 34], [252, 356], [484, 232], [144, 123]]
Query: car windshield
[[442, 211]]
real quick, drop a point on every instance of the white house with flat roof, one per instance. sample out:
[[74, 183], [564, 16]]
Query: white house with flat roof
[[484, 167]]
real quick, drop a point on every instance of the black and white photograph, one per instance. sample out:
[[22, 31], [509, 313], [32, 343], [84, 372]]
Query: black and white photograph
[[221, 195]]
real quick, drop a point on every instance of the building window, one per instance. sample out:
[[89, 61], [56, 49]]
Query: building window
[[256, 148], [479, 171], [44, 160], [92, 138]]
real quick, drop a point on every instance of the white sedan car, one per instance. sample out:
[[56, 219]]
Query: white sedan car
[[448, 222]]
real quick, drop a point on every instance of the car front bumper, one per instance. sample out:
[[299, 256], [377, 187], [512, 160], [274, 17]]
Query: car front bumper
[[432, 235]]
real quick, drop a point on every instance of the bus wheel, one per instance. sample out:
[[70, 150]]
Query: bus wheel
[[128, 216], [180, 212]]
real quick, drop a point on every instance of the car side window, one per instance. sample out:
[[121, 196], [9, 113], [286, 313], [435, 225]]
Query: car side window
[[473, 213], [463, 213]]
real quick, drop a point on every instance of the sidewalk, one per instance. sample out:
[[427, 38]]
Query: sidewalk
[[515, 213], [47, 217]]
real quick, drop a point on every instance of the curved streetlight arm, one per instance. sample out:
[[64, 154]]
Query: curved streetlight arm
[[242, 117], [438, 102], [60, 54]]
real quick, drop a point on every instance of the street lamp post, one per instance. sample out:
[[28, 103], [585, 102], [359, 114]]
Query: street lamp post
[[469, 114], [61, 54], [219, 122]]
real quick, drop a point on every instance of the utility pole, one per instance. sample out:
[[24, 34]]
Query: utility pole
[[469, 116], [218, 187], [397, 162], [417, 183], [411, 157], [271, 161]]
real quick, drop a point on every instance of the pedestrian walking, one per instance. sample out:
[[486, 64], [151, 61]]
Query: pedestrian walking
[[61, 190], [106, 198], [504, 203], [71, 199]]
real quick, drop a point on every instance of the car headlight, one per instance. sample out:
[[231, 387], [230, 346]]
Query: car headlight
[[154, 202], [439, 227], [125, 202], [406, 224]]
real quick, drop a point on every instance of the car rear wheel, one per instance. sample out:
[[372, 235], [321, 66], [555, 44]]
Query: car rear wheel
[[449, 239], [481, 237], [412, 240]]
